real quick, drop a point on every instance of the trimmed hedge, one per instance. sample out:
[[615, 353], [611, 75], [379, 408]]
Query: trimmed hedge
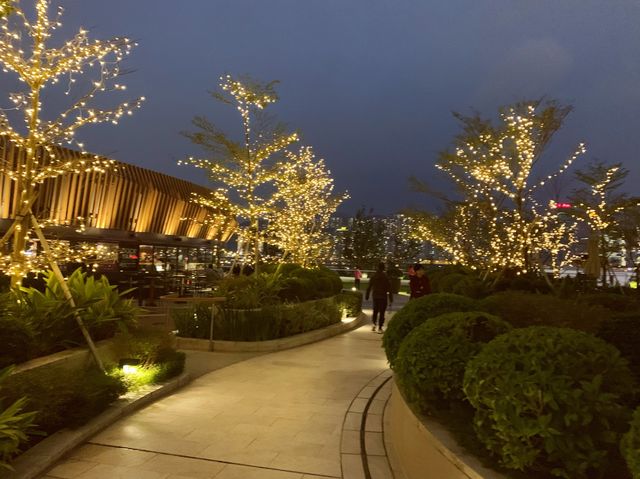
[[432, 359], [523, 309], [630, 446], [550, 399], [624, 333], [270, 322], [619, 303], [416, 312]]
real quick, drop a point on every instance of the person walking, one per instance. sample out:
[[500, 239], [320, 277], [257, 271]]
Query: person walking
[[419, 283], [357, 276], [379, 288]]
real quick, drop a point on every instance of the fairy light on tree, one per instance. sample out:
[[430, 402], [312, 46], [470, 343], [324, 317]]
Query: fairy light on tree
[[243, 169], [496, 222], [26, 51], [599, 204], [301, 206]]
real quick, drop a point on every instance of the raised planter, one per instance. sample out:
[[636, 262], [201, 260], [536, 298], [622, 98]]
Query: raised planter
[[425, 449], [272, 344]]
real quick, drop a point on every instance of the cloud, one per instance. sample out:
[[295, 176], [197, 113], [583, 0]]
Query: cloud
[[532, 69]]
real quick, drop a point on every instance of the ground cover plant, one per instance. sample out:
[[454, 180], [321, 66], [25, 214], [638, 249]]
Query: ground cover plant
[[15, 425]]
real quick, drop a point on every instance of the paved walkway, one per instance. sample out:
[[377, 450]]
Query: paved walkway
[[276, 416]]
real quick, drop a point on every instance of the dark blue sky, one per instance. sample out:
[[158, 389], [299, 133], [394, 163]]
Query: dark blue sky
[[371, 83]]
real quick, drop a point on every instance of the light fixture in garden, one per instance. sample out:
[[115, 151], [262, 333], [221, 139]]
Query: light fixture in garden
[[129, 366]]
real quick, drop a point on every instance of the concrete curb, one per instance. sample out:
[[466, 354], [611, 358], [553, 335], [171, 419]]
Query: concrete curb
[[421, 447], [44, 455], [273, 344]]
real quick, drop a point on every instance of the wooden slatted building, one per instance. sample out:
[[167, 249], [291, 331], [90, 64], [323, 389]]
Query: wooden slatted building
[[125, 202]]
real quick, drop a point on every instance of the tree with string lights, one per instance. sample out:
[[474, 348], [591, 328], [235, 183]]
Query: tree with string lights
[[601, 206], [497, 223], [92, 66], [244, 170], [301, 206]]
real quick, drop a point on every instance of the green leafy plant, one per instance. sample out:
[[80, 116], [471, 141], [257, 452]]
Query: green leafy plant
[[550, 399], [16, 335], [619, 303], [64, 398], [15, 426], [630, 446], [250, 292], [50, 316], [432, 359], [416, 312], [270, 322], [351, 301]]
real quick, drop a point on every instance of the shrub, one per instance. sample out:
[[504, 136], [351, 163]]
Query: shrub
[[619, 303], [550, 399], [64, 398], [530, 283], [51, 318], [351, 301], [463, 284], [15, 426], [525, 309], [630, 446], [624, 333], [271, 322], [416, 312], [16, 336], [249, 292], [432, 359]]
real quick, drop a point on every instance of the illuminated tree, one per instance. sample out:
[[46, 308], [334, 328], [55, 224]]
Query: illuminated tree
[[243, 170], [25, 50], [301, 206], [403, 246], [496, 222], [600, 205]]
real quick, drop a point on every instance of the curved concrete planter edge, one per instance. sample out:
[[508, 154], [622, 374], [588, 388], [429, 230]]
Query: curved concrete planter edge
[[425, 449]]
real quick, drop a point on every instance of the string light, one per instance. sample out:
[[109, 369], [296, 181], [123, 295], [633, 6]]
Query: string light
[[498, 224], [25, 51]]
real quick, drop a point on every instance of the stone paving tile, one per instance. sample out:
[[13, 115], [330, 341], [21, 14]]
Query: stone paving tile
[[374, 444], [377, 406], [352, 466], [379, 467], [183, 466], [71, 469], [350, 442], [367, 392], [353, 421], [374, 423], [358, 405], [232, 471], [106, 471]]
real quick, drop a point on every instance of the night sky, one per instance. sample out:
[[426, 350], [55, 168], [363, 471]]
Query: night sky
[[371, 84]]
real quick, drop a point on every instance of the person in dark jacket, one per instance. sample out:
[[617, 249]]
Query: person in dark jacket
[[419, 283], [379, 288]]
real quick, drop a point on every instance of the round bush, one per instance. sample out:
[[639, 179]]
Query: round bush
[[550, 399], [630, 446], [523, 309], [416, 312], [432, 359]]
